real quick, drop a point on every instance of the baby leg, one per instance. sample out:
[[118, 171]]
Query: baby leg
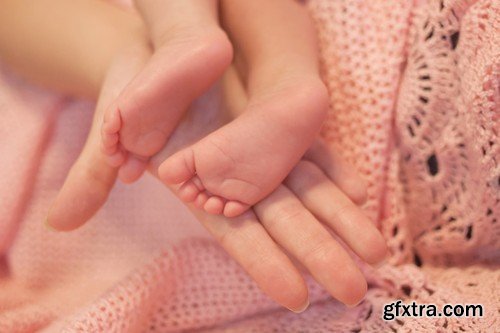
[[190, 53]]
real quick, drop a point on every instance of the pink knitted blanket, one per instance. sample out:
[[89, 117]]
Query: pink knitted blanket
[[415, 103]]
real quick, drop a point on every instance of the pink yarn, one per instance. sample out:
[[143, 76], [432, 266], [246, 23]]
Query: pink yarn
[[415, 98]]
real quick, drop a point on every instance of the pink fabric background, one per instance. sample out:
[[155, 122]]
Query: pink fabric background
[[402, 91]]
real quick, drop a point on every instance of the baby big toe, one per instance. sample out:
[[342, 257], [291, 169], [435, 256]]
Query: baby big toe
[[178, 168]]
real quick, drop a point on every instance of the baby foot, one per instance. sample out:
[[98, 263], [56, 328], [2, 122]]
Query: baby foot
[[140, 121], [236, 166]]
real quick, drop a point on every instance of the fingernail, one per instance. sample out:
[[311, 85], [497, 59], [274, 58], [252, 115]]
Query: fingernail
[[302, 308], [48, 226], [350, 306]]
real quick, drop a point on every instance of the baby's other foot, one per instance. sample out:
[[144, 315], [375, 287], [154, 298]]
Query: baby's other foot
[[241, 163], [140, 121]]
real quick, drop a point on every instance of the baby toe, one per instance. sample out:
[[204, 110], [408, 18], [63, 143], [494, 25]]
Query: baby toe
[[235, 208], [112, 121], [188, 192], [214, 205], [200, 200]]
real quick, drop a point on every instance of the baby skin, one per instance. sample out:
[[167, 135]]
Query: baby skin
[[239, 164]]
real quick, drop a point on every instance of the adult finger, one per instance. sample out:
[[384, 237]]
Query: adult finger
[[331, 206], [326, 202], [292, 226], [91, 179], [85, 190], [246, 240], [340, 172]]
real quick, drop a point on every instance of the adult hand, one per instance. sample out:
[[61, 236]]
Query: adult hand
[[320, 188]]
